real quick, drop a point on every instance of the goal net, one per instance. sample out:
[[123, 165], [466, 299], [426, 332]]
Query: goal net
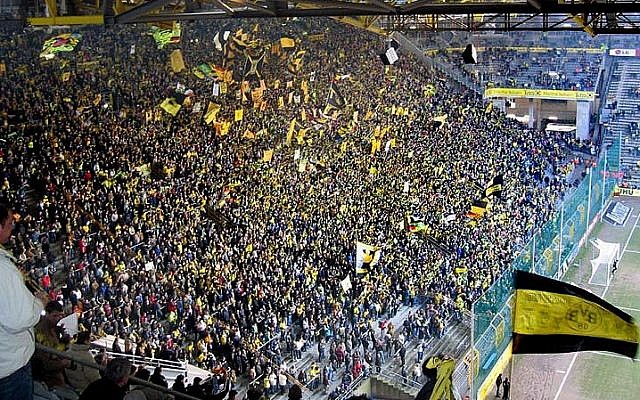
[[602, 265]]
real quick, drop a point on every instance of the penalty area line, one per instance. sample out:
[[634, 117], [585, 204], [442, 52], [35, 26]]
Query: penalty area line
[[604, 353]]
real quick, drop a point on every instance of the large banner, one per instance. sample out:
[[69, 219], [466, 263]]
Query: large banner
[[539, 94], [624, 52], [622, 191]]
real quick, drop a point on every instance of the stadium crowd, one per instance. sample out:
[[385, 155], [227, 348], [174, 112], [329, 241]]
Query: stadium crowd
[[178, 236], [538, 67]]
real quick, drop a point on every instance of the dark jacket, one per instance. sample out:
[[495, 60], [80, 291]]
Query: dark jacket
[[103, 389]]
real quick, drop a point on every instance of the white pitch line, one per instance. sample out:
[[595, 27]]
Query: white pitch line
[[566, 375], [633, 251], [629, 308], [602, 353], [575, 355]]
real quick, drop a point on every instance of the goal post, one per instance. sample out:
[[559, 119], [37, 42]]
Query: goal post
[[602, 265]]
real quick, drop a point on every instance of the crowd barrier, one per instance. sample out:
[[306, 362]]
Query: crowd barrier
[[548, 252]]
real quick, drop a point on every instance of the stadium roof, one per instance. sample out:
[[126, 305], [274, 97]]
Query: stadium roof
[[592, 16]]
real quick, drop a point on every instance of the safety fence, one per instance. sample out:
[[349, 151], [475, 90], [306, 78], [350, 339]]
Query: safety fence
[[548, 252]]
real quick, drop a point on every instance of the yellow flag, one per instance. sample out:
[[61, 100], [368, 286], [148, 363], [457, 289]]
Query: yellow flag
[[267, 155], [489, 107], [171, 106], [375, 146], [248, 134], [287, 43], [256, 97], [280, 102], [228, 76], [368, 116], [212, 112], [239, 114], [66, 76], [177, 62], [224, 129], [300, 135], [303, 114], [198, 73], [292, 128]]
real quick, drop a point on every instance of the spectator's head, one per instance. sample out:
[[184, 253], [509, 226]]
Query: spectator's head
[[83, 337], [6, 223], [118, 370], [157, 371], [53, 312], [254, 393], [295, 392], [143, 374]]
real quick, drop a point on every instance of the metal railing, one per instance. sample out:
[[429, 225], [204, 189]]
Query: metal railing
[[132, 379], [156, 362], [408, 384]]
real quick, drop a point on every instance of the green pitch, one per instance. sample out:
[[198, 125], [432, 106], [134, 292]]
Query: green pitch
[[599, 375]]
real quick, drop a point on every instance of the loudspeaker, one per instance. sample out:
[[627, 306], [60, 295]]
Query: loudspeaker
[[469, 55]]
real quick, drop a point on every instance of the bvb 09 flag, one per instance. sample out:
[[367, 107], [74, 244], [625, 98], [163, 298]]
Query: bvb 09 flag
[[554, 317], [366, 257]]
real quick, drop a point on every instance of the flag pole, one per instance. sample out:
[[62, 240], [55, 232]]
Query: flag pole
[[604, 183], [589, 197], [559, 273], [244, 68]]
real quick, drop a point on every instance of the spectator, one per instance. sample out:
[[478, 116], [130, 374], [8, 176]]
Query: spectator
[[113, 385], [195, 390], [19, 313], [158, 378], [78, 375], [295, 393], [149, 393], [47, 367], [178, 384], [179, 234]]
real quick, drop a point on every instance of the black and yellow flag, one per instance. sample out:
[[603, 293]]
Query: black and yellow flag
[[335, 102], [478, 208], [439, 386], [295, 61], [555, 317], [171, 106], [367, 256], [253, 66], [336, 99], [494, 187], [212, 112]]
